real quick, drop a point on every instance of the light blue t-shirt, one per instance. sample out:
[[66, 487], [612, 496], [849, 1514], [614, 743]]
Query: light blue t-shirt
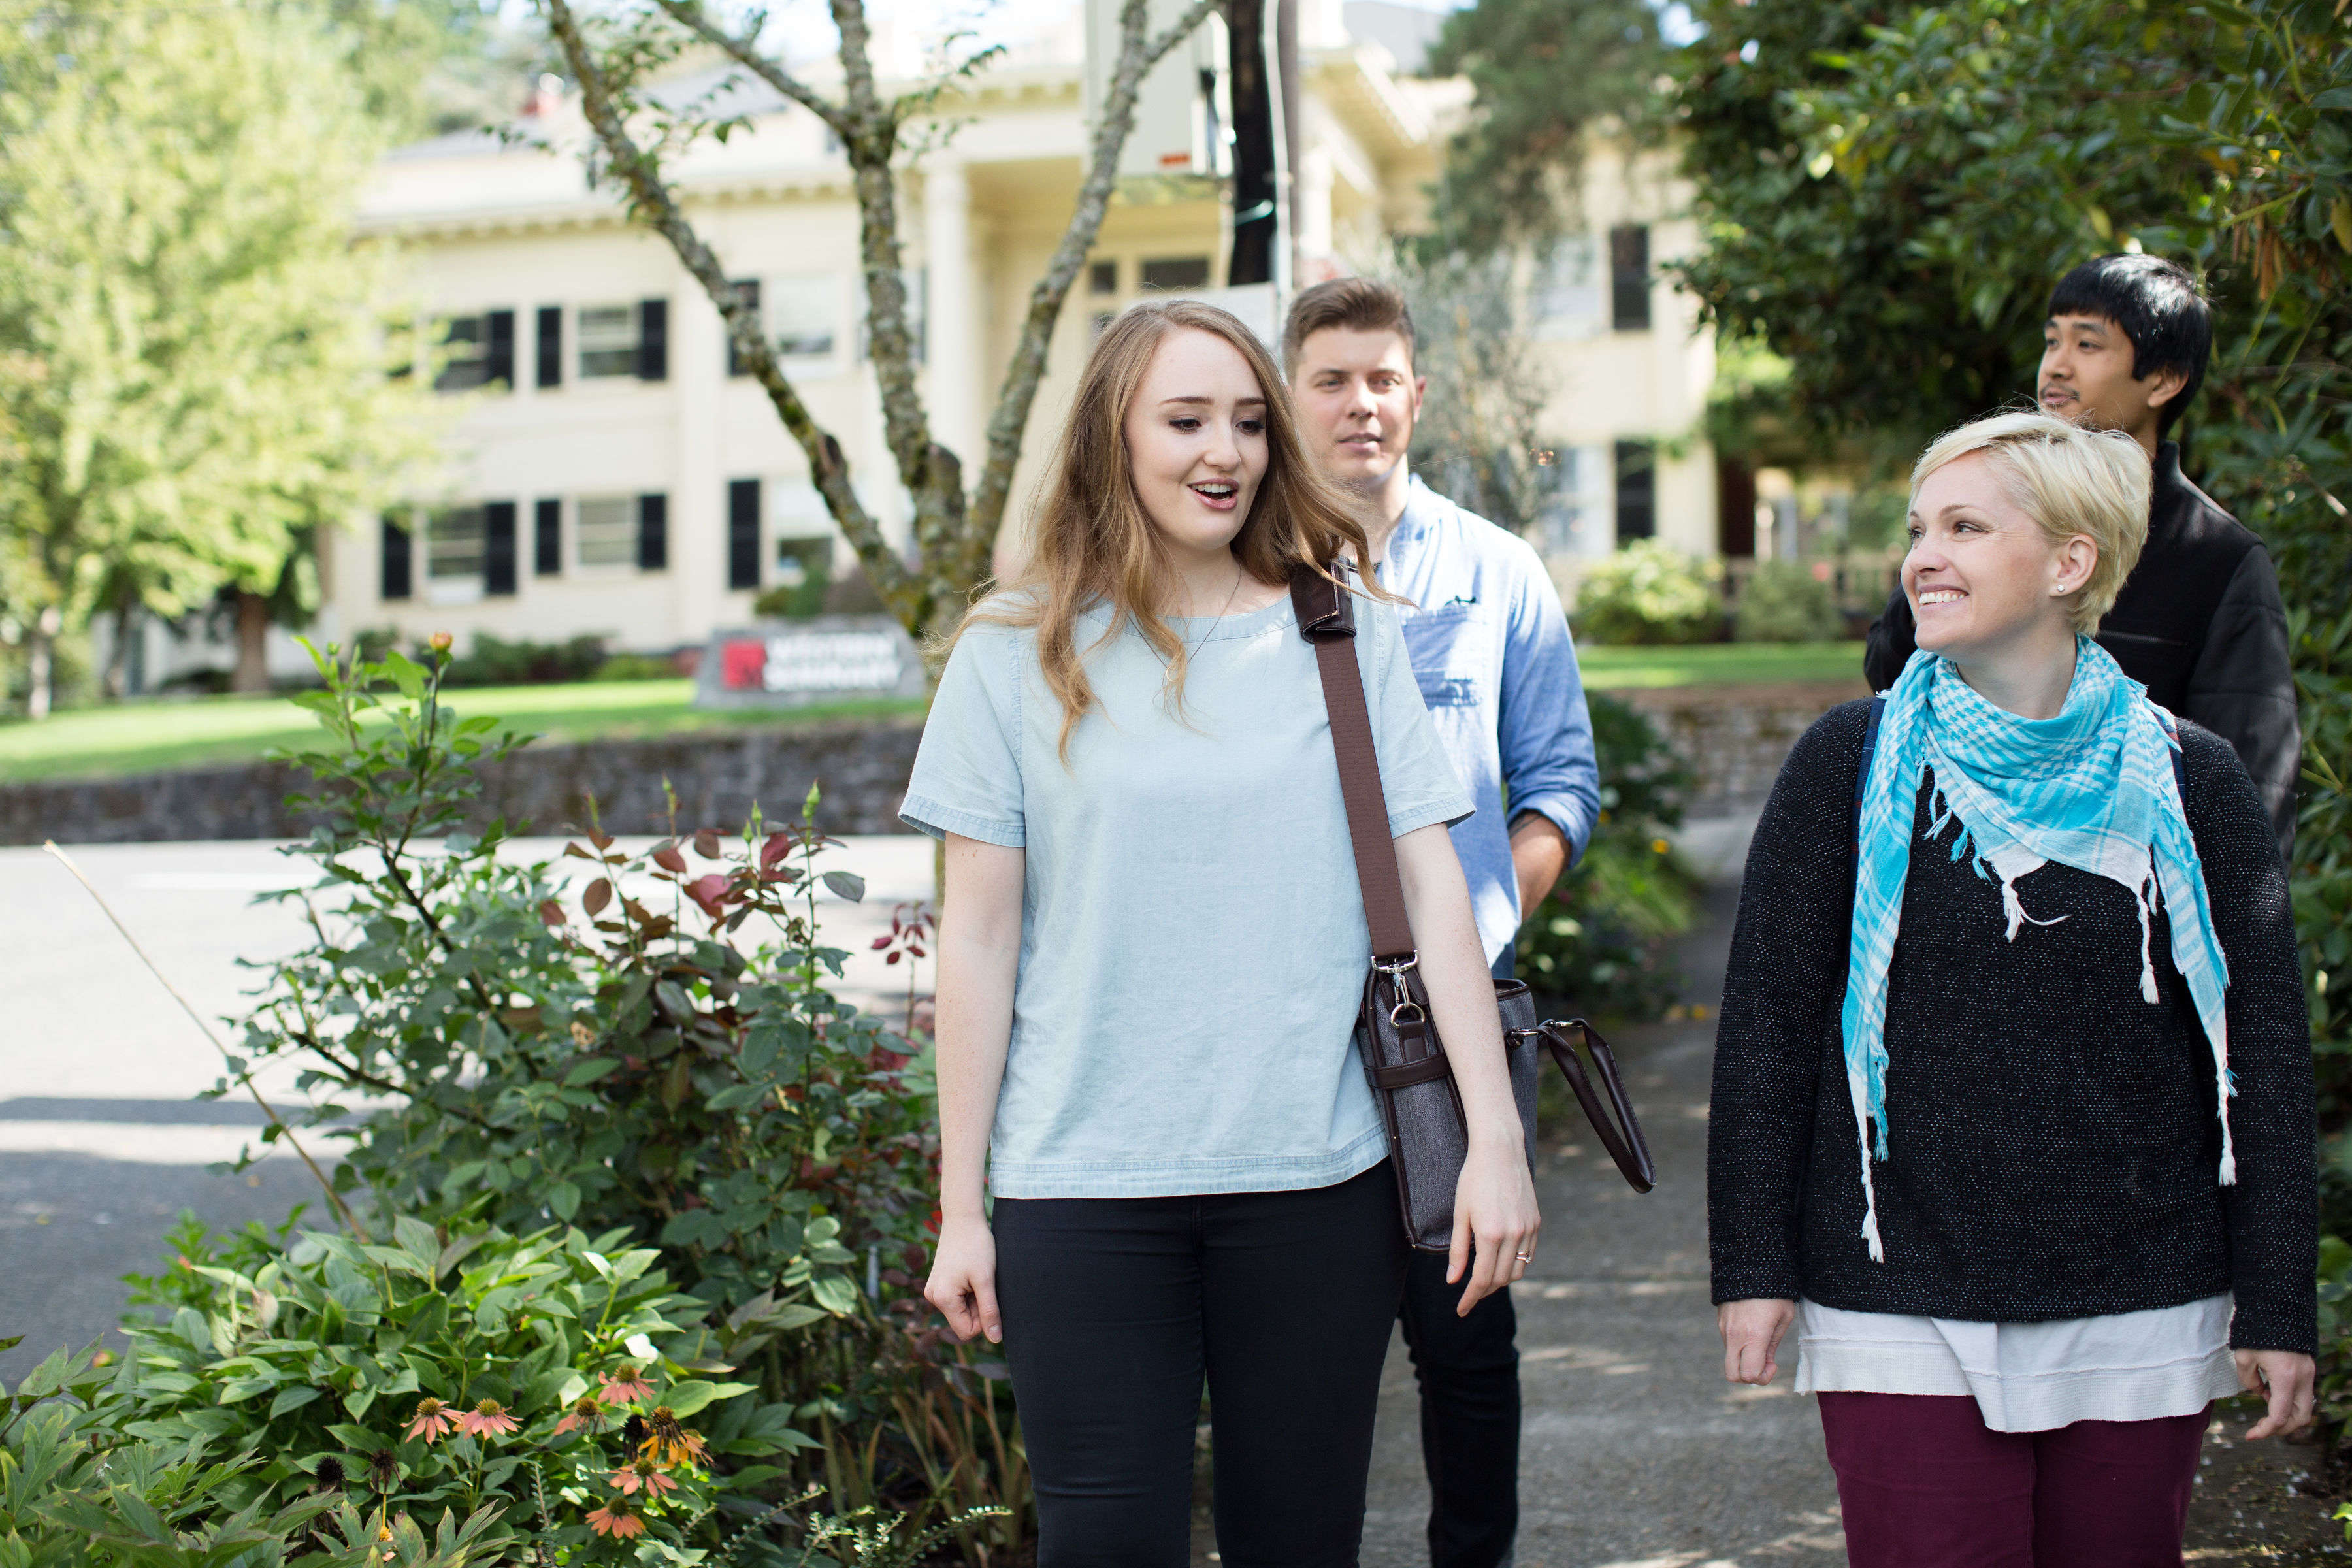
[[1193, 936]]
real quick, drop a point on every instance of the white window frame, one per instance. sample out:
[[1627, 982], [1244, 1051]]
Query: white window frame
[[447, 579], [1568, 300], [587, 530], [582, 347]]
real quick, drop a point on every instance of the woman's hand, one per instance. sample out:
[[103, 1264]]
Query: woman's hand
[[1495, 1217], [963, 1280], [2286, 1378], [1751, 1335]]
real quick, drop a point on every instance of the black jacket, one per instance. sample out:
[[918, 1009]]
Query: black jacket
[[2199, 623], [2054, 1149]]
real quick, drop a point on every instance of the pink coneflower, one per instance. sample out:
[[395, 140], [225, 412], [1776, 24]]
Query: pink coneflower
[[620, 1387], [585, 1415], [616, 1521], [433, 1419], [668, 1442], [488, 1419], [641, 1473]]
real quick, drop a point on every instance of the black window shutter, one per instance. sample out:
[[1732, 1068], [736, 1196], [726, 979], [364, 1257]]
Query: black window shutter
[[394, 560], [653, 533], [653, 340], [1629, 279], [1637, 490], [547, 538], [551, 345], [498, 362], [498, 547], [742, 534], [748, 290]]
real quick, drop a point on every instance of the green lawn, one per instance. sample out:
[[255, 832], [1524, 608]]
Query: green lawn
[[1719, 664], [149, 736]]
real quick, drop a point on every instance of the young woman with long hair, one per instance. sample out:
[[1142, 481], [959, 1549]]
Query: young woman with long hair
[[1152, 947]]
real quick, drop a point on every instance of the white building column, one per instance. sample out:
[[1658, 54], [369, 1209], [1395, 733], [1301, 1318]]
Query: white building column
[[950, 315], [698, 497]]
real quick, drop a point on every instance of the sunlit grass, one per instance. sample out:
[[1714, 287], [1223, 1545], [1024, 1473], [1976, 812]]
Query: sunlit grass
[[1719, 664], [150, 736]]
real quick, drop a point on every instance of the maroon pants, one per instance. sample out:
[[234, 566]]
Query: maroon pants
[[1924, 1483]]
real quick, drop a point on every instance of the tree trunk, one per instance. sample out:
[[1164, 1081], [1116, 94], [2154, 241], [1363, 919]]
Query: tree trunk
[[252, 673], [40, 663], [117, 683]]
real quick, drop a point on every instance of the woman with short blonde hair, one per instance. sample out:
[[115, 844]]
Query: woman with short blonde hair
[[2012, 1112], [1151, 952]]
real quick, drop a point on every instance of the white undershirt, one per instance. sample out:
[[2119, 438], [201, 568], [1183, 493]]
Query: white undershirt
[[2027, 1377]]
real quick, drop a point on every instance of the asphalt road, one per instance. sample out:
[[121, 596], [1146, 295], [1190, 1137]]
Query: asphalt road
[[1636, 1454]]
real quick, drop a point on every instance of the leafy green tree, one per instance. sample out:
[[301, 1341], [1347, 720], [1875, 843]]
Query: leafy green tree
[[191, 362], [1550, 76]]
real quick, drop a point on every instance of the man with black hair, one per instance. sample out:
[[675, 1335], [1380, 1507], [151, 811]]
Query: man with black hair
[[2198, 622]]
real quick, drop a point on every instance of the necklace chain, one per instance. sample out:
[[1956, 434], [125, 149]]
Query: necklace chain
[[1194, 651]]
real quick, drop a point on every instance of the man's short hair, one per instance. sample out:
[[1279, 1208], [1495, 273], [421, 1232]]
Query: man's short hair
[[1358, 304], [2159, 308]]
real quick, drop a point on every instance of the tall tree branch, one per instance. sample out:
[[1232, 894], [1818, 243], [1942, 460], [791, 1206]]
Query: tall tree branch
[[743, 48], [1138, 53], [653, 203]]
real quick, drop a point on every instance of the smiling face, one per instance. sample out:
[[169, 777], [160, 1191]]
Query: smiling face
[[1358, 399], [1982, 576], [2086, 377], [1196, 441]]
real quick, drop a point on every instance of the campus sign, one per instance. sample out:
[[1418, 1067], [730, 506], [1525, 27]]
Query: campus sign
[[827, 658]]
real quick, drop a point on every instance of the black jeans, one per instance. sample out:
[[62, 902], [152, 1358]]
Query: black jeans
[[1468, 1369], [1116, 1310]]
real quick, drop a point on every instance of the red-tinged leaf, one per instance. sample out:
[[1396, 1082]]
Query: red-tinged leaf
[[709, 892], [918, 952], [893, 958], [777, 845], [880, 942], [600, 839], [706, 844], [599, 894], [552, 913], [575, 849], [668, 858]]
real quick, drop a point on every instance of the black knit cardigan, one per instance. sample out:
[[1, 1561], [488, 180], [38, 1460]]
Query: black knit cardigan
[[2052, 1141]]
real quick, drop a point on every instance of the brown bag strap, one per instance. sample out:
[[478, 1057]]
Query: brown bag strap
[[1326, 619]]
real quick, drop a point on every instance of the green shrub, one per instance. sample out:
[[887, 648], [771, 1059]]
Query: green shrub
[[1650, 592], [1598, 943], [637, 1056], [1787, 600], [804, 568], [636, 666], [461, 1368], [76, 1490]]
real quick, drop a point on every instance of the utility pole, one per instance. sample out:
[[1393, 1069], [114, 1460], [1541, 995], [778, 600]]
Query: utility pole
[[1256, 222]]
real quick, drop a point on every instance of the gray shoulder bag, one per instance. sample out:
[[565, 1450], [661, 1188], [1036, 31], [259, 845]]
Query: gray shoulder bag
[[1396, 1036]]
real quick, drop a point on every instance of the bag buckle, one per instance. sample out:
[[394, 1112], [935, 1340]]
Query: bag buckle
[[1396, 971]]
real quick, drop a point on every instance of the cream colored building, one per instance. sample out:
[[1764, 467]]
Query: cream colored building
[[606, 474]]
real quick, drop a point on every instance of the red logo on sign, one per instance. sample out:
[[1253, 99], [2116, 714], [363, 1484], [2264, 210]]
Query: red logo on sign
[[742, 664]]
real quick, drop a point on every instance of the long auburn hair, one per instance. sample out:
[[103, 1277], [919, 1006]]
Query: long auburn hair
[[1094, 543]]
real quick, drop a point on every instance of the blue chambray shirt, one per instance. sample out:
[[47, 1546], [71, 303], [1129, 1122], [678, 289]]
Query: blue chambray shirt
[[1491, 652]]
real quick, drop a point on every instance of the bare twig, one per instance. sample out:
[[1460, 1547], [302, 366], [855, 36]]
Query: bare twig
[[653, 203], [243, 1076]]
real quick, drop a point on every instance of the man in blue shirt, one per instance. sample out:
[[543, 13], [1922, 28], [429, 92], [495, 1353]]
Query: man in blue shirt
[[1490, 647]]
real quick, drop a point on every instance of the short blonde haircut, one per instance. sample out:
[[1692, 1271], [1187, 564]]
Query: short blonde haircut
[[2071, 480]]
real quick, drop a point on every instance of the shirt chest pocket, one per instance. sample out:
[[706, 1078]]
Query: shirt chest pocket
[[1452, 649]]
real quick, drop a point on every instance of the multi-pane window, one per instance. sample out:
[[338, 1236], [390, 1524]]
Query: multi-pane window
[[477, 350], [606, 529], [1567, 300], [453, 551], [1174, 274], [1573, 509], [608, 341], [804, 316], [1102, 276]]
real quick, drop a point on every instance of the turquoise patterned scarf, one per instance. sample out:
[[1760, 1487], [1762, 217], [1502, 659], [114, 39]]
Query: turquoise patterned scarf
[[2092, 788]]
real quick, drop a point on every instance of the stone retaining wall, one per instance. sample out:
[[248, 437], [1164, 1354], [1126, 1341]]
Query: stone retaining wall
[[1734, 737]]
